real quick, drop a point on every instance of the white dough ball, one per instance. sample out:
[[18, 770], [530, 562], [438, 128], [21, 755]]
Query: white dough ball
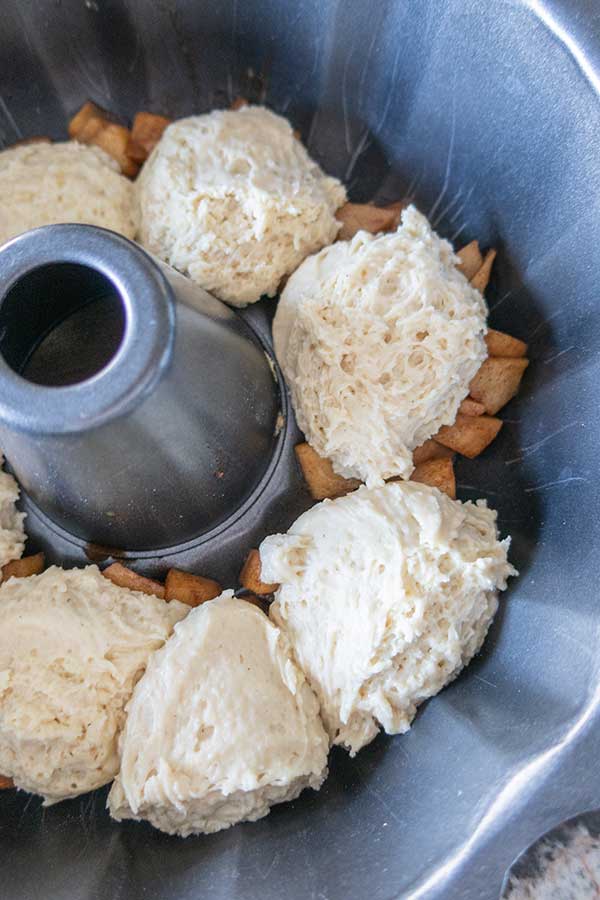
[[72, 646], [385, 595], [222, 726], [379, 338], [46, 184], [12, 534], [233, 200]]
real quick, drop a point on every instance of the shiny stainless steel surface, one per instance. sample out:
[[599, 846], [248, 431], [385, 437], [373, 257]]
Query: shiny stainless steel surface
[[488, 114], [146, 453]]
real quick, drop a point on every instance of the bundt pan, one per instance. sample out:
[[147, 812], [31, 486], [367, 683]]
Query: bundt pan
[[488, 115]]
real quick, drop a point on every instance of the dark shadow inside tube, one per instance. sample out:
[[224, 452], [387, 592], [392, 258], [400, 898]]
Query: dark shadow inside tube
[[61, 324]]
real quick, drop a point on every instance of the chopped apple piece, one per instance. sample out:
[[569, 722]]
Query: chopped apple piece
[[469, 435], [124, 577], [482, 277], [500, 344], [323, 483], [470, 407], [357, 217], [437, 473], [84, 121], [92, 125], [250, 576], [114, 140], [145, 134], [431, 450], [23, 568], [190, 589], [497, 382], [471, 260]]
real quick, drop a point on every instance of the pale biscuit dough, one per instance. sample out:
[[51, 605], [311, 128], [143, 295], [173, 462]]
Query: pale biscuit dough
[[72, 646], [379, 338], [233, 200], [12, 534], [385, 595], [222, 725], [48, 184]]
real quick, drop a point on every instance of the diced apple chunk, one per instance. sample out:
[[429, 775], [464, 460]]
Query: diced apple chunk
[[190, 589], [250, 577], [469, 435], [497, 382], [438, 473], [323, 483], [124, 577], [471, 259]]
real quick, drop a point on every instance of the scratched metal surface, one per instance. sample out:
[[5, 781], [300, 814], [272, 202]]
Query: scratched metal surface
[[488, 115]]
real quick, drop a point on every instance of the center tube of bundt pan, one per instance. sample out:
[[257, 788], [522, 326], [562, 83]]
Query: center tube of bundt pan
[[136, 410]]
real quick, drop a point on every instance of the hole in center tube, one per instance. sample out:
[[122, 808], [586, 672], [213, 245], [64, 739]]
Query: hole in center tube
[[61, 324]]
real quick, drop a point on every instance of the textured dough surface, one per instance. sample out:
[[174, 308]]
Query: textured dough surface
[[233, 200], [385, 595], [72, 646], [378, 338], [46, 184], [12, 534], [222, 725]]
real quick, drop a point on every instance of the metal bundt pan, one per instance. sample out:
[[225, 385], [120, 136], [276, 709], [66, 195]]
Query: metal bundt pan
[[488, 115]]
